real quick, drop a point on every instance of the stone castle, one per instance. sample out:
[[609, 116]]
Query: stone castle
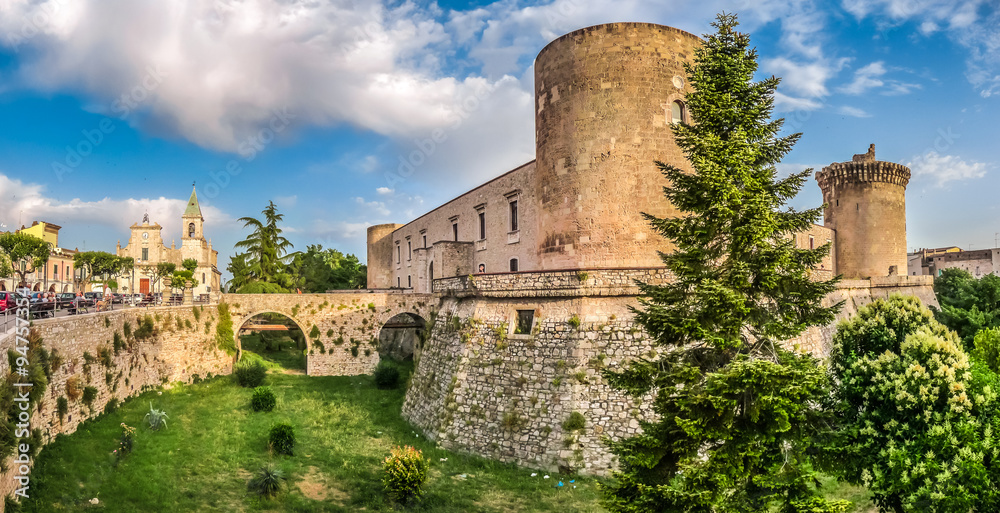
[[518, 292], [533, 272], [606, 97]]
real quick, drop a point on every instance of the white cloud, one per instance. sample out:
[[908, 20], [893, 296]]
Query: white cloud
[[853, 112], [383, 191], [377, 208], [945, 168], [872, 77], [228, 66], [785, 103], [29, 202]]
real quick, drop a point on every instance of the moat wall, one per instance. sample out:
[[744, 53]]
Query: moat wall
[[479, 388], [181, 347]]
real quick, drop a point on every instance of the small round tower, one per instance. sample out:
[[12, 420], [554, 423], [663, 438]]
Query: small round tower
[[605, 97], [380, 257], [866, 207]]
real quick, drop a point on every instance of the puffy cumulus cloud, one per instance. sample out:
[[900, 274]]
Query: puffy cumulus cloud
[[224, 69], [29, 202], [806, 79], [942, 169]]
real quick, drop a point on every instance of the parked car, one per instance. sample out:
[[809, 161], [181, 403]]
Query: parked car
[[93, 296], [8, 300], [117, 298]]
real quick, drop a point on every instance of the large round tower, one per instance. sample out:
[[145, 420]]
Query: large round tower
[[866, 206], [605, 99]]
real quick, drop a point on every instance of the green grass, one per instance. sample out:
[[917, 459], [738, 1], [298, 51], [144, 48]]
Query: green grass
[[289, 357], [344, 427]]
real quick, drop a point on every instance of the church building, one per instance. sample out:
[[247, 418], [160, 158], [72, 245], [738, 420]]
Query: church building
[[146, 247]]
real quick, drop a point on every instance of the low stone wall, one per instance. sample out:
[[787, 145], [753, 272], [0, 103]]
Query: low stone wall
[[182, 346]]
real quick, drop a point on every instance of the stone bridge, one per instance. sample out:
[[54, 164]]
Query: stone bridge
[[342, 329]]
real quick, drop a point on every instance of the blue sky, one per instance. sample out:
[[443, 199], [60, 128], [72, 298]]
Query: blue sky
[[112, 108]]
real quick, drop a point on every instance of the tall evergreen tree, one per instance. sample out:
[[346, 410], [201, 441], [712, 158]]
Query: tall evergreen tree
[[735, 410]]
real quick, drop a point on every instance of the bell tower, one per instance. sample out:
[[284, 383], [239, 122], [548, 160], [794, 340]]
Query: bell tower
[[192, 221]]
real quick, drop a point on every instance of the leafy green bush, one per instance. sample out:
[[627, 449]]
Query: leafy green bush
[[62, 407], [157, 418], [282, 438], [404, 472], [250, 373], [386, 376], [224, 330], [263, 399], [987, 348], [125, 442], [916, 419], [267, 482]]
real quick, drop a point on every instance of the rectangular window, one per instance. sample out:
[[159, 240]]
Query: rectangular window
[[425, 242], [145, 254], [397, 283], [513, 265], [524, 320], [409, 251], [482, 225], [454, 231], [397, 253], [513, 216], [812, 243], [409, 284]]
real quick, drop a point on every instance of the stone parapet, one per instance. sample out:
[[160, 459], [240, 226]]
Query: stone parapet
[[852, 172], [565, 283]]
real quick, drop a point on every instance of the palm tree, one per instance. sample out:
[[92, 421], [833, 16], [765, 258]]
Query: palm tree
[[265, 247]]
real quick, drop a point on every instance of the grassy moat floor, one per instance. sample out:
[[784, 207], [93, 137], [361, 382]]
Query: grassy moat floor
[[344, 426]]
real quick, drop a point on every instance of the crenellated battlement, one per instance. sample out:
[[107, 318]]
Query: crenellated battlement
[[863, 171]]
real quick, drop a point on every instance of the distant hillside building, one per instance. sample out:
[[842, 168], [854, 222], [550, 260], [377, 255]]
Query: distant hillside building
[[146, 247], [919, 263]]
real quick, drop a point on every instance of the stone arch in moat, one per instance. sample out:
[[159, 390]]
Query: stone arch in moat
[[341, 328]]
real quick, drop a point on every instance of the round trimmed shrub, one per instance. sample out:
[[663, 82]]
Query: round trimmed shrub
[[263, 399], [404, 474], [249, 373], [282, 438], [386, 376]]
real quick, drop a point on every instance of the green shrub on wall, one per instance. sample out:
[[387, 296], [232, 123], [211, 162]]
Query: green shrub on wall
[[36, 367], [314, 332], [224, 330]]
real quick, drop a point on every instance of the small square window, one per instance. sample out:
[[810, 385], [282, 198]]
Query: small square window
[[524, 320]]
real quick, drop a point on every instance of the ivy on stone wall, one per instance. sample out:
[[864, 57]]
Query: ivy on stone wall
[[38, 376], [224, 330]]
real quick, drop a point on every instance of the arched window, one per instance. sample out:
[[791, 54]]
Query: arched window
[[676, 111], [191, 230], [513, 265]]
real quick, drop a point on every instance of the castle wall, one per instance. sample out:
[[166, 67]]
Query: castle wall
[[481, 388], [603, 115]]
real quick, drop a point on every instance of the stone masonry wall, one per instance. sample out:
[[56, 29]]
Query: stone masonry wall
[[176, 352], [480, 388]]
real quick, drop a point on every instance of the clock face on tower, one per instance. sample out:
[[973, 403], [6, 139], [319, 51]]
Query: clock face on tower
[[145, 235]]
